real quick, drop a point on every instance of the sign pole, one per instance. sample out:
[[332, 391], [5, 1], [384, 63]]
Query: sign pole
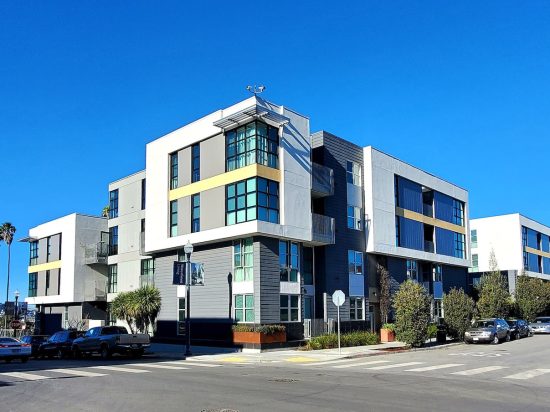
[[339, 347], [338, 298]]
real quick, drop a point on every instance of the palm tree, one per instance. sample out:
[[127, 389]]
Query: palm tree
[[7, 230], [123, 307], [148, 302]]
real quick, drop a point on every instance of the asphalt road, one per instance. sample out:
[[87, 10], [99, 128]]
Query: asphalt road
[[512, 376]]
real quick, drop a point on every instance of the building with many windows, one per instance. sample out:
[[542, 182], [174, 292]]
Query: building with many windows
[[520, 245]]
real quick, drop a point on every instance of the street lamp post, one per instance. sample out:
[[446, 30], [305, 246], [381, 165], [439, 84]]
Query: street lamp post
[[16, 293], [188, 249]]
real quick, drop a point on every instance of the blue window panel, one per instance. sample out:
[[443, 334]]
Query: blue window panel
[[411, 234], [545, 243], [546, 265], [443, 206], [409, 195], [533, 262], [438, 290], [444, 242], [532, 239]]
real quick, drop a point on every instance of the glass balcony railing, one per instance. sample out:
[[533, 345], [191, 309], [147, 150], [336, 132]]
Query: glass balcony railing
[[322, 228], [322, 180], [429, 246]]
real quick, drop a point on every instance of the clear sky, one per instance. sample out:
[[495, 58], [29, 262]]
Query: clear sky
[[460, 89]]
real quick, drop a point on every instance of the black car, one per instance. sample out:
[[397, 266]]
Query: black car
[[519, 328], [35, 341], [60, 344]]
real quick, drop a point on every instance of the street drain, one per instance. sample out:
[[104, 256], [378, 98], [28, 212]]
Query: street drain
[[283, 380]]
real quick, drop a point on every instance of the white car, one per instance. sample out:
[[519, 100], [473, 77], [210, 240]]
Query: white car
[[541, 325], [11, 348]]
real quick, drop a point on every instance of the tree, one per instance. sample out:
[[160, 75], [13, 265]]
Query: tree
[[494, 298], [7, 230], [123, 307], [105, 211], [530, 297], [412, 313], [148, 301], [384, 292], [459, 310]]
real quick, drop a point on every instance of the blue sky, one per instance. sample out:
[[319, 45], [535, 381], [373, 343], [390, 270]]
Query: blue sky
[[460, 90]]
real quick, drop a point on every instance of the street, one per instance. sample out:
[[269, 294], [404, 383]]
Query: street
[[507, 377]]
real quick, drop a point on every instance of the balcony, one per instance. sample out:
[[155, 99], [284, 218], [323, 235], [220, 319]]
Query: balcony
[[322, 181], [95, 290], [429, 246], [96, 254], [322, 228]]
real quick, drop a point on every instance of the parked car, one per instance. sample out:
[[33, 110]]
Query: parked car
[[493, 330], [541, 325], [519, 328], [107, 340], [11, 348], [60, 344], [35, 341]]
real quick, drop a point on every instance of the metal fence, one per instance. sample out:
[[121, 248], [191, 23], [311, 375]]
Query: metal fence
[[317, 327], [15, 333]]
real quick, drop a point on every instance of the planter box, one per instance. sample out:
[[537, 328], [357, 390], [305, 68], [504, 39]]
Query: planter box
[[257, 337], [387, 335]]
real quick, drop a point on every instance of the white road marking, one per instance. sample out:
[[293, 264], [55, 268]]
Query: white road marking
[[435, 367], [76, 372], [395, 365], [120, 369], [157, 365], [25, 376], [351, 365], [479, 370], [529, 374], [330, 362], [181, 362]]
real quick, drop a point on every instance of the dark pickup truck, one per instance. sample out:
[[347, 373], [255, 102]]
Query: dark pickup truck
[[107, 340]]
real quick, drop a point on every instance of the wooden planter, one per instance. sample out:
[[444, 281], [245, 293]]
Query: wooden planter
[[257, 337], [387, 335]]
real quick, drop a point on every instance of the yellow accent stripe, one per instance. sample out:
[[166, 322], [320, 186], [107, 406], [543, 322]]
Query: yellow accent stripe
[[56, 264], [225, 179], [409, 214], [537, 252]]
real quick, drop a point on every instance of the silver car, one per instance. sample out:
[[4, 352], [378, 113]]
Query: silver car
[[541, 325], [11, 348]]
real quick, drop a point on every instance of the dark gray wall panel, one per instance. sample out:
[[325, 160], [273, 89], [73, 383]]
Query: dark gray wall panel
[[269, 282]]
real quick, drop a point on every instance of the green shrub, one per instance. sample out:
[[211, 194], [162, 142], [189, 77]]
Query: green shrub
[[459, 310], [432, 330], [412, 313], [330, 341], [389, 326], [265, 329], [494, 299]]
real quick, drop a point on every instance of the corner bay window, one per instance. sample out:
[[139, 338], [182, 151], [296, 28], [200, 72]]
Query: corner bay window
[[289, 308], [244, 308], [255, 142], [243, 260], [288, 261], [356, 308], [252, 199]]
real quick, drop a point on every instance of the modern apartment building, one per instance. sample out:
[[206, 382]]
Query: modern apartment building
[[68, 270], [520, 245]]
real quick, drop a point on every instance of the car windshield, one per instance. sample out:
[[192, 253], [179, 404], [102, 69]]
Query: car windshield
[[542, 320], [483, 324], [512, 322]]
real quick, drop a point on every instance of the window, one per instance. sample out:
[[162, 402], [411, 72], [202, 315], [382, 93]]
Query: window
[[475, 263], [251, 199], [353, 173], [397, 232], [173, 218], [356, 310], [412, 270], [252, 143], [113, 240], [288, 261], [143, 194], [195, 213], [195, 163], [147, 277], [174, 170], [473, 235], [243, 260], [437, 273], [112, 279], [33, 283], [525, 260], [244, 308], [33, 260], [142, 229], [48, 248], [307, 269], [47, 281], [459, 245], [355, 262], [438, 309], [289, 308], [354, 217], [458, 212], [181, 316], [113, 204]]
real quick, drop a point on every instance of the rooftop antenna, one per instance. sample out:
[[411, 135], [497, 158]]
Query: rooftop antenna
[[255, 90]]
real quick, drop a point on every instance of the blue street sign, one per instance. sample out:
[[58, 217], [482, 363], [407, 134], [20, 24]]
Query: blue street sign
[[197, 274], [179, 273]]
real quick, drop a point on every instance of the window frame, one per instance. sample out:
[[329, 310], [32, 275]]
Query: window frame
[[289, 266], [147, 272], [354, 173], [458, 212], [113, 240], [195, 213], [289, 308], [473, 237], [241, 271], [173, 228], [113, 204], [355, 309], [459, 242], [195, 162], [354, 262], [412, 269], [174, 170], [143, 193], [33, 284], [354, 220], [245, 309], [33, 253], [112, 278], [257, 196]]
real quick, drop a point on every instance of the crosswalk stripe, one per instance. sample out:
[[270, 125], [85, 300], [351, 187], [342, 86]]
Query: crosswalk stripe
[[157, 366], [76, 372], [26, 376], [529, 374], [435, 367], [351, 365], [205, 365], [478, 370], [330, 362], [120, 369], [395, 365]]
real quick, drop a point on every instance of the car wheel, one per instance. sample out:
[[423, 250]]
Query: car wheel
[[508, 337], [24, 359], [495, 340], [105, 353]]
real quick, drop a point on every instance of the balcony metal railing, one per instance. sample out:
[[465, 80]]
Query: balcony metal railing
[[95, 290], [429, 246], [96, 253], [322, 228], [322, 180]]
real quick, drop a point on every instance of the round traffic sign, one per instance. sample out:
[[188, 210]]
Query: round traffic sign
[[338, 298]]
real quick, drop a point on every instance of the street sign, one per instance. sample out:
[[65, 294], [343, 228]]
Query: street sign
[[338, 298], [179, 273], [197, 274]]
